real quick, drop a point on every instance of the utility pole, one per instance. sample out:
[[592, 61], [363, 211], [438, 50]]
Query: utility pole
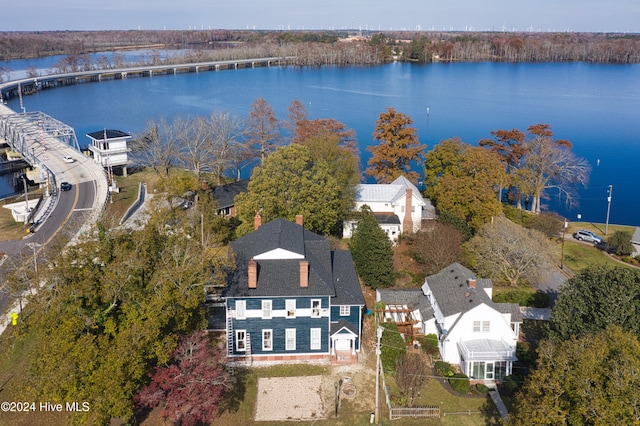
[[564, 229], [377, 410], [606, 227]]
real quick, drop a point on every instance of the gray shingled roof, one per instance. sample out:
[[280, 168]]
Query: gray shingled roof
[[331, 273], [412, 298], [510, 308], [449, 288], [225, 194]]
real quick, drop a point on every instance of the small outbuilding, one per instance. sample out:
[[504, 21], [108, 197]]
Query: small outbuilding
[[109, 148]]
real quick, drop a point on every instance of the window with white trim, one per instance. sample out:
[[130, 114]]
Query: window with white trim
[[290, 339], [266, 309], [267, 340], [315, 308], [484, 326], [316, 338], [241, 309], [345, 310], [290, 306], [241, 340]]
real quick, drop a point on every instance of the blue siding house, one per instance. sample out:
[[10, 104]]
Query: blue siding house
[[292, 298]]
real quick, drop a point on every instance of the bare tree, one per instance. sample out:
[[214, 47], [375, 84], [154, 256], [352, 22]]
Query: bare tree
[[436, 246], [411, 375], [509, 253], [158, 147], [227, 142], [551, 164], [195, 143], [263, 129]]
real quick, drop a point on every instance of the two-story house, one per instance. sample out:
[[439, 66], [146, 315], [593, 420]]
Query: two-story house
[[292, 298], [110, 149], [398, 207], [473, 332]]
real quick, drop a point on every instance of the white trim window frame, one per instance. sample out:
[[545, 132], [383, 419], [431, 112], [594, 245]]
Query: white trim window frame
[[316, 305], [241, 340], [481, 326], [290, 339], [315, 339], [241, 309], [345, 310], [290, 307], [267, 339], [267, 309]]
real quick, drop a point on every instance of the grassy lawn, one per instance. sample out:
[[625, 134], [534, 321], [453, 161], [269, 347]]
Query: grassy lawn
[[9, 228], [598, 228], [15, 355]]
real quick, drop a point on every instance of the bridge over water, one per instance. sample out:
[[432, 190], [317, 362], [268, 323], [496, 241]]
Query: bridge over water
[[26, 86]]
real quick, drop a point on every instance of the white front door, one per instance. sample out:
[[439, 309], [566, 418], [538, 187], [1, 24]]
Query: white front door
[[342, 344]]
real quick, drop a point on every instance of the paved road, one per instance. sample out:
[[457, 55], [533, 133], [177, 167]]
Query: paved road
[[62, 214]]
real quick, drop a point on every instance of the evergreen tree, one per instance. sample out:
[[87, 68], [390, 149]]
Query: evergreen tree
[[372, 252], [289, 183], [620, 243], [597, 297]]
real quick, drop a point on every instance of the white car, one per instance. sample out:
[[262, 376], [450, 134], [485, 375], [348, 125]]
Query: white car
[[68, 159]]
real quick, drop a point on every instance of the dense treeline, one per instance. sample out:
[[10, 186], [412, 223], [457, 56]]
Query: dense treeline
[[336, 47]]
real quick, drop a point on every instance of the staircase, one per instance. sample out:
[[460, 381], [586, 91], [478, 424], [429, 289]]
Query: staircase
[[249, 358], [229, 335]]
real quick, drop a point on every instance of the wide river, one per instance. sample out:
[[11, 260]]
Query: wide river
[[596, 107]]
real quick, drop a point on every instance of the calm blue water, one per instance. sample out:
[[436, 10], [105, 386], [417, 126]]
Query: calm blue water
[[596, 107]]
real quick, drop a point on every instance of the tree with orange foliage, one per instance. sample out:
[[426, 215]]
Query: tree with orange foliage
[[399, 147], [304, 129]]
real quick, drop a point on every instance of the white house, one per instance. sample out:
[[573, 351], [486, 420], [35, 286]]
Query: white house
[[109, 148], [473, 332], [399, 207]]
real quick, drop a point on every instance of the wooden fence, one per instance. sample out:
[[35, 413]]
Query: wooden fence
[[397, 412]]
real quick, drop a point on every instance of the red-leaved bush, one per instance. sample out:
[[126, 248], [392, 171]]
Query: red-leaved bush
[[190, 387]]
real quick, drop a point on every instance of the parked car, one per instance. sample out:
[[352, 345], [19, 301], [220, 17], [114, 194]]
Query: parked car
[[584, 235], [68, 159], [65, 186]]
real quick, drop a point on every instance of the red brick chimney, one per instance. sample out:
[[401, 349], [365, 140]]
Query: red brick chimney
[[304, 273], [257, 221], [471, 283], [299, 219], [407, 222], [253, 274]]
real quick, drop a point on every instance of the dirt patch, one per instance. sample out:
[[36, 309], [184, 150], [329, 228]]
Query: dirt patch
[[290, 398], [314, 397]]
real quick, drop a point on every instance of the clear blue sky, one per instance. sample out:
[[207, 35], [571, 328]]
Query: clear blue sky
[[496, 15]]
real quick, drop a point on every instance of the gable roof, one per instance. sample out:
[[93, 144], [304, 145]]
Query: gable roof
[[225, 194], [450, 290], [331, 272], [389, 193], [343, 327]]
